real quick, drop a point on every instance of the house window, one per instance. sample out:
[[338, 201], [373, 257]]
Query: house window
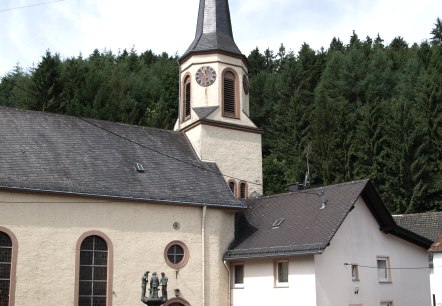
[[238, 275], [186, 99], [282, 273], [232, 186], [383, 264], [230, 95], [94, 270], [8, 260], [243, 190], [176, 254], [354, 272]]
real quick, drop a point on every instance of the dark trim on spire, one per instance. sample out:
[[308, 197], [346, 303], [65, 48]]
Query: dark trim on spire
[[213, 30]]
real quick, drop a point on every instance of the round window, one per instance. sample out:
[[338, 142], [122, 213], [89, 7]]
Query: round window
[[176, 254]]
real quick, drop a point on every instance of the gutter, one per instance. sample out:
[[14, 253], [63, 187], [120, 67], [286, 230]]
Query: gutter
[[228, 282]]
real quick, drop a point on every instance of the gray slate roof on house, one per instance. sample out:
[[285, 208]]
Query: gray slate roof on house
[[306, 229], [63, 154], [428, 224], [213, 29]]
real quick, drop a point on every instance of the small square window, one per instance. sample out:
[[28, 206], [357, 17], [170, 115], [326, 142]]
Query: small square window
[[354, 272], [383, 264], [238, 275], [282, 273]]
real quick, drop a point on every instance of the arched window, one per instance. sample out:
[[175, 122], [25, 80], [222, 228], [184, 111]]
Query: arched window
[[243, 190], [232, 186], [94, 270], [230, 95], [8, 261], [176, 302], [186, 98]]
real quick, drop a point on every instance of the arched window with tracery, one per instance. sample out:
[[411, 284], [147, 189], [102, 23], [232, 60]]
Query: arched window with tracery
[[94, 270], [186, 98], [230, 94], [8, 261]]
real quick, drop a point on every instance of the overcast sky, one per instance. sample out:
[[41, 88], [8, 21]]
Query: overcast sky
[[71, 27]]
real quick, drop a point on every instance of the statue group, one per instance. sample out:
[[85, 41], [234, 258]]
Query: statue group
[[155, 283]]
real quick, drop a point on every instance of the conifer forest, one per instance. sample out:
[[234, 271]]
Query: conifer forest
[[352, 111]]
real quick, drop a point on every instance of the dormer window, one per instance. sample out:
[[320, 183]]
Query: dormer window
[[230, 95], [186, 98]]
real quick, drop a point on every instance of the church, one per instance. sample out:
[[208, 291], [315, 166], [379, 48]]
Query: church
[[90, 210]]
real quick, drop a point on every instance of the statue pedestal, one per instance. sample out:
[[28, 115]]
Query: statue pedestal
[[154, 301]]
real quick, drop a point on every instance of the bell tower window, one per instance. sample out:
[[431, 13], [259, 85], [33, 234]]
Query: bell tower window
[[243, 190], [186, 98], [230, 95], [232, 186]]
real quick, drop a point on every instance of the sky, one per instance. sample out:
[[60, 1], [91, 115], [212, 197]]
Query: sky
[[72, 27]]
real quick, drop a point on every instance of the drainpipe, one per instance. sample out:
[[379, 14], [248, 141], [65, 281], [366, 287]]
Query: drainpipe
[[203, 254], [228, 282]]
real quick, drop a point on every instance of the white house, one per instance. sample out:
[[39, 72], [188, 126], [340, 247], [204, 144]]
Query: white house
[[436, 275], [428, 225], [335, 245]]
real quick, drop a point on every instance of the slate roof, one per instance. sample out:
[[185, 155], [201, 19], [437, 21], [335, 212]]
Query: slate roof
[[306, 228], [428, 224], [69, 155], [213, 29], [204, 112]]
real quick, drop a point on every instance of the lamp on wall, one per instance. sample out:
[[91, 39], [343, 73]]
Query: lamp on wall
[[177, 292]]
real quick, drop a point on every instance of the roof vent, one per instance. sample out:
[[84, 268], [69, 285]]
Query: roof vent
[[139, 167], [277, 223]]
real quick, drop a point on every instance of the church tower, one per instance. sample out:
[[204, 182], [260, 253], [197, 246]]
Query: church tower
[[214, 101]]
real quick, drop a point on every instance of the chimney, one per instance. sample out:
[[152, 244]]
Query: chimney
[[296, 187]]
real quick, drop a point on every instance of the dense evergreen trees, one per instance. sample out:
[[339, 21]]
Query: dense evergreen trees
[[362, 110]]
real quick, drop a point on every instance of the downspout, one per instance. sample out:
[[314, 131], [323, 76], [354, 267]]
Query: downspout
[[228, 282], [179, 95], [203, 255]]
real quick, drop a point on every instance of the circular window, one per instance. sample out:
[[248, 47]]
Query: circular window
[[176, 254]]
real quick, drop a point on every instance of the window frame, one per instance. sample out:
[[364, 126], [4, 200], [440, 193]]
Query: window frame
[[240, 190], [234, 269], [186, 255], [13, 269], [235, 187], [278, 283], [109, 266], [354, 272], [387, 269], [187, 80], [386, 303], [236, 102]]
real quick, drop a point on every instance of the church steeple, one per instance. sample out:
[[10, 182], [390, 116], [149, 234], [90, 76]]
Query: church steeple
[[214, 101], [213, 30]]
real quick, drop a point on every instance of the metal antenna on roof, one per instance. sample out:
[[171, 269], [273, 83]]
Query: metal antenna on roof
[[307, 174]]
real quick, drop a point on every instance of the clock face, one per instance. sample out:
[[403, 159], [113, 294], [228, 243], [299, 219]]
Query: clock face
[[245, 84], [205, 76]]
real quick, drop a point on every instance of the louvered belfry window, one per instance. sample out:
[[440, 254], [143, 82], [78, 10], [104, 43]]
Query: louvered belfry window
[[229, 95], [93, 272], [5, 267], [242, 190], [186, 101]]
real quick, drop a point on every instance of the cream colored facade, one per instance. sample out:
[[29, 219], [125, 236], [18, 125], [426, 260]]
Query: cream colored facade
[[48, 228], [235, 143]]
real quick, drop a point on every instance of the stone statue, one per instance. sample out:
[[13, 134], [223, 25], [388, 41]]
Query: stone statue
[[144, 281], [163, 283], [153, 299], [154, 284]]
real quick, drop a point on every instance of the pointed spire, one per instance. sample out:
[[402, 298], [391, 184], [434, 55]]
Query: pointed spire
[[213, 29]]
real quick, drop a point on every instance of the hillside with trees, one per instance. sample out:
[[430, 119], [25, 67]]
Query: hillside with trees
[[353, 111]]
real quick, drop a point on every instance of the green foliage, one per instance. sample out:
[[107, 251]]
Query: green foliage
[[362, 110]]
